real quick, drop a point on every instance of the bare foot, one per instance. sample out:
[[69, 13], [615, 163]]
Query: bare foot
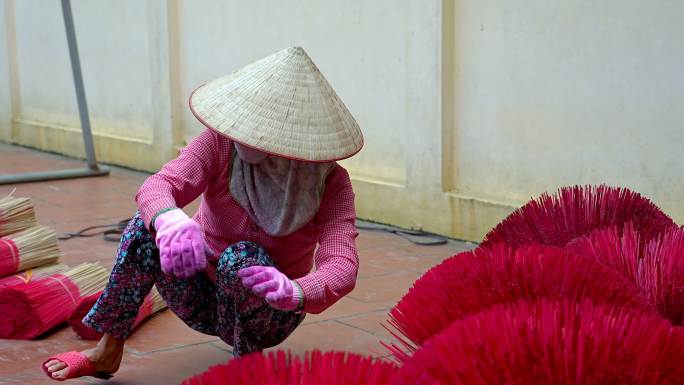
[[106, 357]]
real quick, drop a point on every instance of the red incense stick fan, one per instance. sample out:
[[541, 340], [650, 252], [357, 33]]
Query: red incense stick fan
[[475, 280], [656, 266], [551, 343], [574, 211], [315, 368]]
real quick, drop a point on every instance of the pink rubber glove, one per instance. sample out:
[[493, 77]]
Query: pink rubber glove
[[278, 290], [182, 250]]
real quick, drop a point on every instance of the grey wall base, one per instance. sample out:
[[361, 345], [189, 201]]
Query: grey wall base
[[53, 175]]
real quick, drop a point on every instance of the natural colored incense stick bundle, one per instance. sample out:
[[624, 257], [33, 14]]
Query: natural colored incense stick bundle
[[28, 248], [33, 274], [574, 211], [550, 343], [152, 304], [472, 281], [32, 309], [655, 266], [16, 214], [280, 368]]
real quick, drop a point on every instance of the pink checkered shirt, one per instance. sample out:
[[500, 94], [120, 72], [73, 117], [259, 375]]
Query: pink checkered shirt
[[203, 169]]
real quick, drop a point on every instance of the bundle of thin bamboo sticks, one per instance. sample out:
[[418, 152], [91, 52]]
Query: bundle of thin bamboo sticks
[[33, 274], [16, 214], [33, 247]]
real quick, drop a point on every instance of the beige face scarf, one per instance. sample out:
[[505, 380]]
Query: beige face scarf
[[280, 195]]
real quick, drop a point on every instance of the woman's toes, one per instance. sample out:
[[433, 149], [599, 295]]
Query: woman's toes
[[49, 363], [54, 366], [60, 374]]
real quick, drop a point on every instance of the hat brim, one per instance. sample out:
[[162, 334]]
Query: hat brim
[[281, 105], [207, 125]]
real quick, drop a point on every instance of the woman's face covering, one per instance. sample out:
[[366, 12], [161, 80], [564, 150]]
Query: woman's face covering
[[250, 155]]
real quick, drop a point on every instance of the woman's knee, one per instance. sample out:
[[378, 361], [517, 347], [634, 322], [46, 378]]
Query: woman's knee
[[242, 254], [135, 229], [137, 243]]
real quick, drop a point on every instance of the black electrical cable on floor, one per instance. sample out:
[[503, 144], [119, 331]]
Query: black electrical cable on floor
[[112, 233], [416, 237]]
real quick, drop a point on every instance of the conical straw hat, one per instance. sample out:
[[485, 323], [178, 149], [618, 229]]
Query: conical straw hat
[[281, 105]]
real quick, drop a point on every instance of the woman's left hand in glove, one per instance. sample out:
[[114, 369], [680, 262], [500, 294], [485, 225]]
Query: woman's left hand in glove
[[279, 291]]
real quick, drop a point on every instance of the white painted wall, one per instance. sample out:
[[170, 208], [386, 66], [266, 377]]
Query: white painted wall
[[115, 52], [360, 46], [5, 97], [557, 93], [468, 107]]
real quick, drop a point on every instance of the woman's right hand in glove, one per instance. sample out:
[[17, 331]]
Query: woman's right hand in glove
[[180, 240]]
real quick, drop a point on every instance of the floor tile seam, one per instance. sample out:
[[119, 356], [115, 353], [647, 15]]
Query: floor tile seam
[[378, 336], [357, 328], [345, 316], [383, 310], [138, 353]]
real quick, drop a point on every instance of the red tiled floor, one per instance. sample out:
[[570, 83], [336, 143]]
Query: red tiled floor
[[371, 322], [169, 366], [345, 307], [163, 350], [384, 290], [332, 335], [163, 332]]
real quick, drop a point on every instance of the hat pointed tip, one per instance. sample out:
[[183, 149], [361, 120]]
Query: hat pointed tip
[[296, 50]]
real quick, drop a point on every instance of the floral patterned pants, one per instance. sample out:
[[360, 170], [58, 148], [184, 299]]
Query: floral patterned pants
[[223, 308]]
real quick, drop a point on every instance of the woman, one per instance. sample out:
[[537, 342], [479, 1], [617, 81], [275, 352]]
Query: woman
[[274, 202]]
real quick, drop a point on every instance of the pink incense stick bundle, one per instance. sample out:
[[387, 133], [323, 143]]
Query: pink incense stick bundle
[[551, 343], [16, 214], [280, 368], [33, 247], [33, 308], [574, 211], [476, 280], [34, 274], [655, 266], [152, 304]]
